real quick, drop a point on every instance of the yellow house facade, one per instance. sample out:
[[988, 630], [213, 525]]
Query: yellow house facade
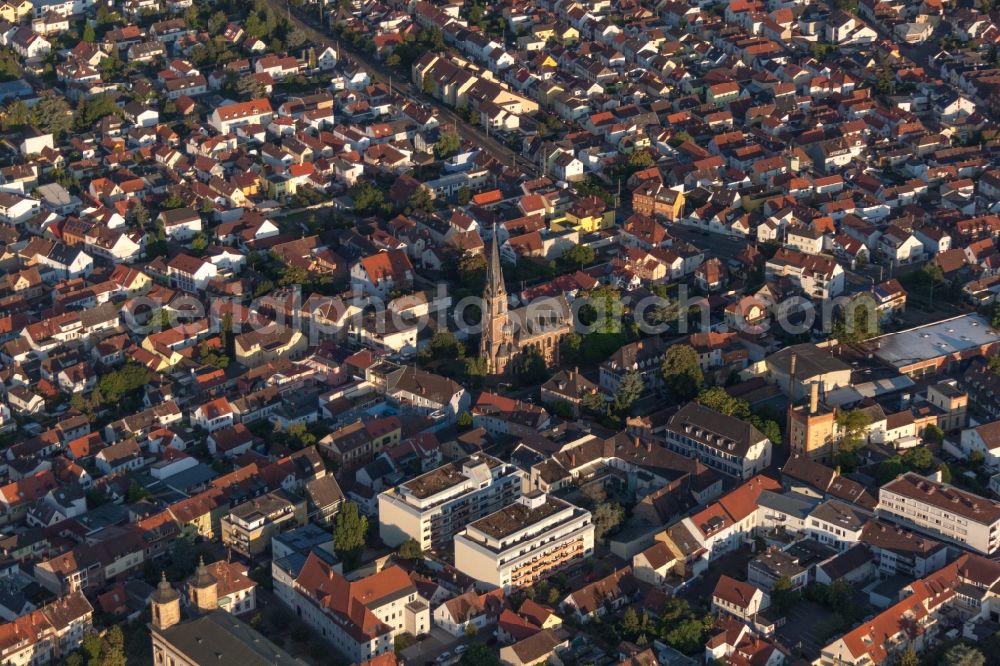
[[259, 347], [588, 220], [13, 11], [568, 35], [280, 186]]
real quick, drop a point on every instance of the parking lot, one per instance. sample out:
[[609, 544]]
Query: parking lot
[[806, 624], [436, 644]]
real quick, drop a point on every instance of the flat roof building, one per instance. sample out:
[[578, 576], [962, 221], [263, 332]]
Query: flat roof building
[[433, 507], [525, 542], [933, 347]]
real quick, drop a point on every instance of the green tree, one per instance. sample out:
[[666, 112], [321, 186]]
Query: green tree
[[293, 275], [16, 115], [852, 424], [264, 287], [532, 368], [349, 534], [254, 26], [783, 594], [569, 348], [640, 159], [933, 434], [217, 23], [199, 243], [139, 215], [92, 109], [885, 80], [126, 379], [688, 636], [115, 637], [906, 658], [463, 196], [945, 473], [136, 493], [682, 373], [296, 39], [768, 427], [427, 85], [718, 399], [857, 320], [91, 646], [889, 469], [445, 345], [475, 370], [963, 655], [919, 459], [367, 198], [472, 271], [421, 199], [88, 32], [52, 114], [607, 516], [464, 421], [172, 201], [448, 144], [595, 402], [630, 624], [603, 311], [410, 550], [578, 256], [479, 654], [299, 436], [248, 87], [629, 390]]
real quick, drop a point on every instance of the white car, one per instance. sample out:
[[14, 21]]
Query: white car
[[443, 657], [461, 649]]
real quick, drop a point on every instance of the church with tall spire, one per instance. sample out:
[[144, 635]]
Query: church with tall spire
[[496, 342], [509, 337]]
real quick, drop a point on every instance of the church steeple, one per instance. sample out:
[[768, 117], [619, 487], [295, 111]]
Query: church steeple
[[495, 344], [494, 275]]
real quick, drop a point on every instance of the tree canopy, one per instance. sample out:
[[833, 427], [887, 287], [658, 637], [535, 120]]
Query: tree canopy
[[126, 379], [682, 373], [349, 533]]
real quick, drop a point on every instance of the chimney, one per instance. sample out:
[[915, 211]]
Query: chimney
[[791, 375], [814, 398]]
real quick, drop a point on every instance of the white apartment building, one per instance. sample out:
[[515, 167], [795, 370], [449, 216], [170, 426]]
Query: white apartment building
[[230, 116], [942, 510], [837, 524], [525, 542], [432, 508], [817, 275]]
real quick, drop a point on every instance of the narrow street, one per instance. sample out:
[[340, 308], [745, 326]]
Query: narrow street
[[381, 73]]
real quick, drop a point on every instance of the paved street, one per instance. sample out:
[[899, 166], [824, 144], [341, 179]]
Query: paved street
[[437, 642]]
